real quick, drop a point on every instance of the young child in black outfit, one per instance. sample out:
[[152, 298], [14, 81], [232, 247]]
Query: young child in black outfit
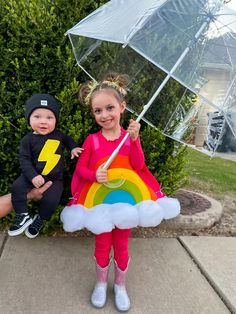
[[41, 161]]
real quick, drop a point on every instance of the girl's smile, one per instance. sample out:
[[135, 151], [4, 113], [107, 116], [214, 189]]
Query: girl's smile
[[107, 110]]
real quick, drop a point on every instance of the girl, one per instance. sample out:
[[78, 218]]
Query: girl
[[111, 221]]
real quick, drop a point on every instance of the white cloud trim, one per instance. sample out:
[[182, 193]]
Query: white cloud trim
[[105, 217]]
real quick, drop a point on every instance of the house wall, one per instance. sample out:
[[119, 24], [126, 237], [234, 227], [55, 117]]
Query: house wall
[[215, 89]]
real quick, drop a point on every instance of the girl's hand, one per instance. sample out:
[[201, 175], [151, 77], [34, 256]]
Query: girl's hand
[[76, 151], [38, 181], [101, 175], [133, 129]]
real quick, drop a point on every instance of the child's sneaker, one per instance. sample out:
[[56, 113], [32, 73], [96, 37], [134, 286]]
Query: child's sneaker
[[20, 223], [33, 230]]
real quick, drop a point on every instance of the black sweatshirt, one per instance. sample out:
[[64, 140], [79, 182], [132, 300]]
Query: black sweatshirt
[[42, 154]]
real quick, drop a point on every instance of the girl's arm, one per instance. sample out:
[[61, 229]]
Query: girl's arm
[[136, 154], [82, 167]]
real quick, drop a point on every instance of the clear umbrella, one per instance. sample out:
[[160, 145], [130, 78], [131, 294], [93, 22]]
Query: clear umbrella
[[156, 42]]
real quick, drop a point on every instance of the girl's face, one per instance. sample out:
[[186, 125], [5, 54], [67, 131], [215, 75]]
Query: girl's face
[[107, 110], [42, 121]]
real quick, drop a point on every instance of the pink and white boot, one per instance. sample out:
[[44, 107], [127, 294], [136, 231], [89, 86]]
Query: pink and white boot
[[99, 294], [122, 301]]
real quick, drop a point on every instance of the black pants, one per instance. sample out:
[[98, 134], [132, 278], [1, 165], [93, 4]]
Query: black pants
[[48, 203]]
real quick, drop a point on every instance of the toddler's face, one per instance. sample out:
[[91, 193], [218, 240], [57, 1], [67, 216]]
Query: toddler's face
[[42, 121]]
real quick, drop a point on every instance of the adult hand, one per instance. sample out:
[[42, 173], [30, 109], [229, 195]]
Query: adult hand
[[37, 193]]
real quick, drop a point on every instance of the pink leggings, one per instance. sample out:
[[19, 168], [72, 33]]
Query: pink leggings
[[119, 239]]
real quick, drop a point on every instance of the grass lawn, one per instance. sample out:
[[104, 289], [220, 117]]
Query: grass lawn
[[215, 175]]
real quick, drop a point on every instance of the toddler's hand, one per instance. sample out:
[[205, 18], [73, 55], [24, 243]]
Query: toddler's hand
[[76, 151], [133, 129], [38, 181], [101, 175]]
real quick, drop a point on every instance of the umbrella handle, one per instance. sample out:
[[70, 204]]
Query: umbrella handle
[[115, 152]]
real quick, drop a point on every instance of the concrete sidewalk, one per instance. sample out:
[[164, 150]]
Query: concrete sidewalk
[[189, 275]]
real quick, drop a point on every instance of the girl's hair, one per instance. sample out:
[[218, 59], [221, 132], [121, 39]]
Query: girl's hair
[[117, 83]]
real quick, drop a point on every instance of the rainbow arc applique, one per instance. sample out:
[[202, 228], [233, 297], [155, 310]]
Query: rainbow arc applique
[[124, 186]]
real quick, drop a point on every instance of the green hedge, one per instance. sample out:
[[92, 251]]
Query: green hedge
[[37, 57]]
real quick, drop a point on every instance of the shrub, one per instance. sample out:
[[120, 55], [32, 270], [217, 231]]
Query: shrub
[[165, 159]]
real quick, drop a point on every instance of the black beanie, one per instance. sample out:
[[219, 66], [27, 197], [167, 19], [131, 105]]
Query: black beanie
[[45, 101]]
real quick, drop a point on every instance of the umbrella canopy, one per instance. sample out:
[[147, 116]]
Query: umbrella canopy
[[192, 41]]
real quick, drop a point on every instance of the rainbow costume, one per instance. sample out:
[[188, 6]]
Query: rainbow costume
[[131, 198]]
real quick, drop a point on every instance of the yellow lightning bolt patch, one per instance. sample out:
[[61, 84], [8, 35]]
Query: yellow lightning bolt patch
[[48, 154]]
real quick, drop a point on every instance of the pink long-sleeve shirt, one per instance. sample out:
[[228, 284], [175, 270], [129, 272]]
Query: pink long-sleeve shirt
[[97, 149]]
